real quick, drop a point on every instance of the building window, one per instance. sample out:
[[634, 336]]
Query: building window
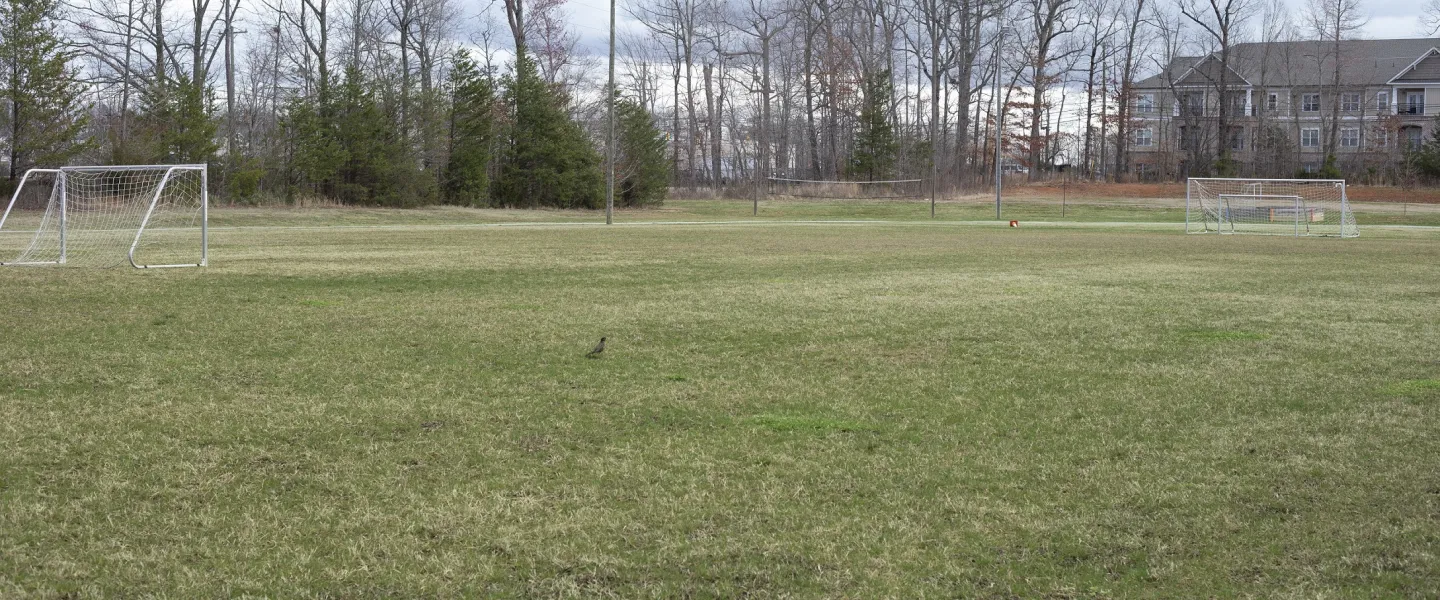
[[1310, 167], [1350, 138], [1145, 103], [1414, 103], [1382, 101], [1194, 103], [1272, 102], [1310, 103], [1350, 102], [1143, 171], [1144, 137], [1413, 140], [1381, 139], [1237, 103], [1310, 138], [1237, 138]]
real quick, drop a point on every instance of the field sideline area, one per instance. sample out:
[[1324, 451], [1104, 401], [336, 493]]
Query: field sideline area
[[390, 403]]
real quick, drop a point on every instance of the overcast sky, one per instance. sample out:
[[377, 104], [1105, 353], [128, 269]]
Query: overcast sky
[[590, 19], [1393, 19]]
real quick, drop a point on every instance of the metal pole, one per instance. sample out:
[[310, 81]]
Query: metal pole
[[205, 216], [610, 125], [159, 189], [1187, 205], [1104, 100], [999, 117], [934, 152], [64, 200], [1345, 210], [15, 197]]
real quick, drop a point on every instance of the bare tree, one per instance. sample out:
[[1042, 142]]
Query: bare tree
[[1222, 23], [1135, 44], [1050, 23], [761, 23], [1332, 22]]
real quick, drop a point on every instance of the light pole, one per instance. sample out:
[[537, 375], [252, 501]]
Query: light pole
[[999, 116], [1104, 101], [610, 126]]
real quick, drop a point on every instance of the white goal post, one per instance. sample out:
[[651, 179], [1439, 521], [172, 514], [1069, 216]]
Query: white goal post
[[153, 216], [1294, 207]]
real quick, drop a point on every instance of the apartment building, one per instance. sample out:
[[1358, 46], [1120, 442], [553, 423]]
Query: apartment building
[[1285, 109]]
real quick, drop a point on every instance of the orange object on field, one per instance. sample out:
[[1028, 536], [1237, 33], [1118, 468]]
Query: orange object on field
[[1014, 223]]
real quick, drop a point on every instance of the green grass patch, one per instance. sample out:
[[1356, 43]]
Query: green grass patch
[[1415, 389], [806, 423], [1221, 335]]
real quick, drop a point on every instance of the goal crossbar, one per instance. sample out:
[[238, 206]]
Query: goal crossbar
[[111, 197]]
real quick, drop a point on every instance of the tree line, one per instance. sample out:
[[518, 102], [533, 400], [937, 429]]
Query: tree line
[[412, 102], [370, 103]]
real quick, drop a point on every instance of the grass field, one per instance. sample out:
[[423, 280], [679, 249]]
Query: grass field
[[974, 208], [798, 410]]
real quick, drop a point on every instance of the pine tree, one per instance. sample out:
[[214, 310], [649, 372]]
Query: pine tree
[[472, 134], [46, 115], [875, 143], [179, 122], [315, 156], [348, 149], [549, 160], [641, 170], [377, 166]]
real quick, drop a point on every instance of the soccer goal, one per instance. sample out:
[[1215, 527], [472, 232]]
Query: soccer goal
[[896, 189], [1293, 207], [151, 216]]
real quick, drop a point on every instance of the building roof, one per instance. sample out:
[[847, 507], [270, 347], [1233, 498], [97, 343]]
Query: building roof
[[1311, 63]]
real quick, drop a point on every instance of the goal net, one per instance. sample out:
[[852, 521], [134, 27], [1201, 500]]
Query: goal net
[[148, 216], [897, 189], [1269, 206]]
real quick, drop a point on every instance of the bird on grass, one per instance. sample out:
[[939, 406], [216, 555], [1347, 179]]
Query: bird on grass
[[600, 347]]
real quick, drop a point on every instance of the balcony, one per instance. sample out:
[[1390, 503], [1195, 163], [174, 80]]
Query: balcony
[[1417, 109]]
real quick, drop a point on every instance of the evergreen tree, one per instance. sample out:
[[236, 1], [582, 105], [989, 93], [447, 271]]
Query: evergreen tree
[[43, 93], [180, 123], [549, 160], [315, 157], [1425, 160], [472, 134], [875, 145], [642, 172], [347, 148], [377, 167]]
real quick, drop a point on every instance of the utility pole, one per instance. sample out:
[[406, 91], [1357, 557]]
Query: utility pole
[[934, 133], [610, 126], [1104, 101], [999, 116]]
